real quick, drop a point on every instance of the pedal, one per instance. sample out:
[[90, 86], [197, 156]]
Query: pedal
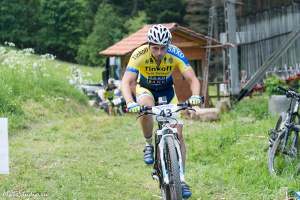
[[154, 175]]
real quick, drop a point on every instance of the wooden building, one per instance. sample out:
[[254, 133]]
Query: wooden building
[[193, 45], [262, 27]]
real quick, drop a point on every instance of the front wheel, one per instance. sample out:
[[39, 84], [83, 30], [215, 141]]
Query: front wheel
[[283, 154], [173, 190]]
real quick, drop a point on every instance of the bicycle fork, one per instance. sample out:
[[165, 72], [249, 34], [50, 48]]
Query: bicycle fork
[[163, 133]]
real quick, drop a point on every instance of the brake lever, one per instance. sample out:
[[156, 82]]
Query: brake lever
[[144, 113], [186, 108], [192, 109], [180, 109]]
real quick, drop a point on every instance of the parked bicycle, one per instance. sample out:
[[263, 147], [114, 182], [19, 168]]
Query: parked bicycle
[[168, 165], [283, 154]]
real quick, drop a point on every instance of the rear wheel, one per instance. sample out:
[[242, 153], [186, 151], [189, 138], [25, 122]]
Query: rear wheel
[[173, 190]]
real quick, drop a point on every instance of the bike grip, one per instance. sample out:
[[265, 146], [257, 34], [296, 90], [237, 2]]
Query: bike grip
[[145, 108], [184, 104]]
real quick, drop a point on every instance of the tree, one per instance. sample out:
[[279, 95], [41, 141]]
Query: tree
[[91, 7], [127, 8], [61, 28], [165, 11], [197, 15], [19, 21], [135, 23], [108, 28]]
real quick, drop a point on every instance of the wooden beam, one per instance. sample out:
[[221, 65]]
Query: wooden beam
[[226, 45], [187, 44]]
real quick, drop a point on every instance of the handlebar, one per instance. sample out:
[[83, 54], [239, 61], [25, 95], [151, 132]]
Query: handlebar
[[290, 93], [165, 110], [182, 106]]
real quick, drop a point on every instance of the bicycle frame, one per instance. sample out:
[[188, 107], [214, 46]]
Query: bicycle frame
[[288, 121]]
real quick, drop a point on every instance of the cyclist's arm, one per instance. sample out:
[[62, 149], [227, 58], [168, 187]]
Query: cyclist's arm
[[185, 68], [128, 79], [190, 76]]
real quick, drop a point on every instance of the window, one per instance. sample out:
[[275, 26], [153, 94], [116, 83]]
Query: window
[[115, 67]]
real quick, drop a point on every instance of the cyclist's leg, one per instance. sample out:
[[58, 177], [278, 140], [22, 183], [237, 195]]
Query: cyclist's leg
[[145, 98], [110, 107]]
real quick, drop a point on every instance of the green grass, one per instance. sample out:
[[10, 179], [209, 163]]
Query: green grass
[[67, 150], [25, 76]]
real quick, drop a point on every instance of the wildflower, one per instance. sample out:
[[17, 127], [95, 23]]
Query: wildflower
[[48, 56], [35, 65], [10, 44], [28, 51]]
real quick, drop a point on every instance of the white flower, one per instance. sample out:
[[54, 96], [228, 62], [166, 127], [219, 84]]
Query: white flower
[[10, 44], [35, 65], [48, 56], [28, 51]]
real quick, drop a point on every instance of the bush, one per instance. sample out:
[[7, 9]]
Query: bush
[[271, 84], [256, 107]]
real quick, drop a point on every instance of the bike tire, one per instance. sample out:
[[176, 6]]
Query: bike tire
[[173, 191], [274, 152], [284, 160]]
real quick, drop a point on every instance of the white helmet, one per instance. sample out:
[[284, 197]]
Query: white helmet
[[159, 34]]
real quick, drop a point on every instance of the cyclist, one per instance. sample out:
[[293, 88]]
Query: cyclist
[[152, 65], [109, 94]]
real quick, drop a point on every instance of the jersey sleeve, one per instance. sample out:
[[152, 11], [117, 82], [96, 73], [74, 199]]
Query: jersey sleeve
[[181, 61], [132, 65], [136, 59]]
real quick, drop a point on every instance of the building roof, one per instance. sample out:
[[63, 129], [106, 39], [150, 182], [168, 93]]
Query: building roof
[[139, 38]]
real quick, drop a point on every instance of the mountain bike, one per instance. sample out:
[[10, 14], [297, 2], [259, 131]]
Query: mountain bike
[[283, 154], [118, 105], [168, 164]]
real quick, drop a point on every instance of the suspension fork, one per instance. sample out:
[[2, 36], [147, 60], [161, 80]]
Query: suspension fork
[[156, 166], [161, 146], [180, 162]]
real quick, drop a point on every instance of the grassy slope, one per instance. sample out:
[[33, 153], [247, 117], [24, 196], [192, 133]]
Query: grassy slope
[[69, 151]]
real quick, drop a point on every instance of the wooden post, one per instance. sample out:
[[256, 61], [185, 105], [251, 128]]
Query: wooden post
[[205, 81], [4, 169], [218, 91]]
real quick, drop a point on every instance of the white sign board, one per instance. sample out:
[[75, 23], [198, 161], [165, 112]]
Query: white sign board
[[4, 169]]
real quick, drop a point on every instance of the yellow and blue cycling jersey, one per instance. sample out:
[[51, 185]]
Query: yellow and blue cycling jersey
[[154, 77]]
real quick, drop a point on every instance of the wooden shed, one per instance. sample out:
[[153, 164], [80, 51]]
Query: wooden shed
[[193, 45]]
